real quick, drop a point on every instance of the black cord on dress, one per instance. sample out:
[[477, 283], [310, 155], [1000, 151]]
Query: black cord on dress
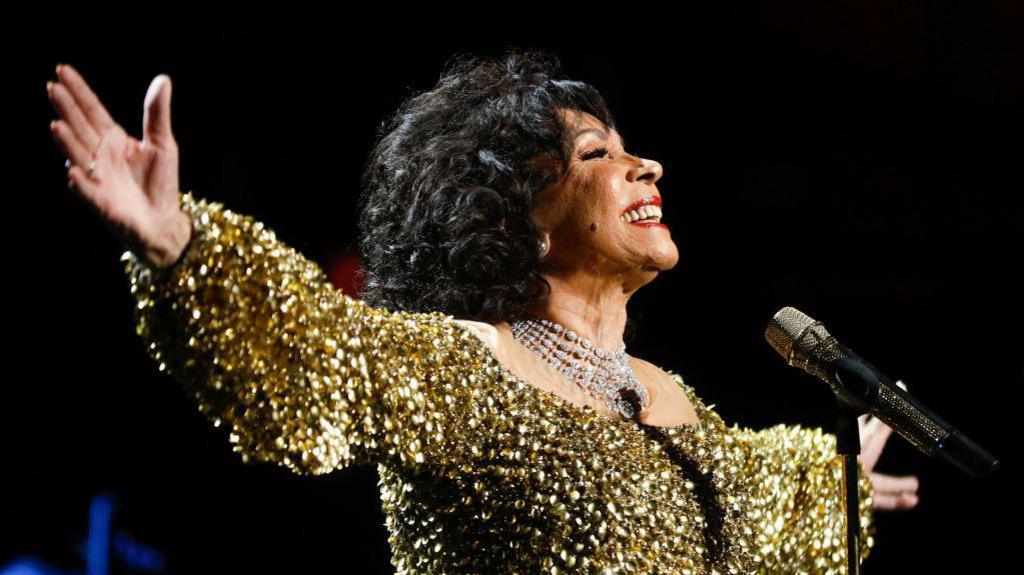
[[704, 488]]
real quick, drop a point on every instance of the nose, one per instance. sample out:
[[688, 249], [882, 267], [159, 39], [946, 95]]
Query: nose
[[644, 170]]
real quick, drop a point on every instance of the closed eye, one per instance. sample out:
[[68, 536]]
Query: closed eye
[[594, 154]]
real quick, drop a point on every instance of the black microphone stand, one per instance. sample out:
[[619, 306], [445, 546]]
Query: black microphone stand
[[850, 393], [848, 447]]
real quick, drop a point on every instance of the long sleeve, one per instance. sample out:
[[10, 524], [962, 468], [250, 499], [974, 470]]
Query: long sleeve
[[305, 376], [796, 490]]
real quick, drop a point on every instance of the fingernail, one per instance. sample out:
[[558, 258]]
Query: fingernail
[[59, 66], [49, 87]]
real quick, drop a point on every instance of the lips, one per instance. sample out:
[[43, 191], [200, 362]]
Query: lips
[[647, 201]]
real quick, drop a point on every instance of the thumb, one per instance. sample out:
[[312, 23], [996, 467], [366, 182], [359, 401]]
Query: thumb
[[882, 431], [156, 116]]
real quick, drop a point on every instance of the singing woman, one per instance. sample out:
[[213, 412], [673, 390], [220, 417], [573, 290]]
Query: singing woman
[[504, 228]]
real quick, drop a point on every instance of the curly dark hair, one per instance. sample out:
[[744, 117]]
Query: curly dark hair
[[446, 195]]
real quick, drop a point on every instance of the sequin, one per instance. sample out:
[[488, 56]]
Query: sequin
[[479, 472]]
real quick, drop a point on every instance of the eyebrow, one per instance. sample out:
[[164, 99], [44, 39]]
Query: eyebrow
[[601, 133]]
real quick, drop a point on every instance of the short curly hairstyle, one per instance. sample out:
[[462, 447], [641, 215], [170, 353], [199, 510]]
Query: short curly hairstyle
[[446, 194]]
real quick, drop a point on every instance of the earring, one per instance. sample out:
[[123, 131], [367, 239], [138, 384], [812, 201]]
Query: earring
[[542, 247]]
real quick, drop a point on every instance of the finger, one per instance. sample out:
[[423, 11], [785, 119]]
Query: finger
[[883, 501], [873, 431], [892, 501], [86, 98], [908, 501], [878, 430], [892, 484], [870, 429], [85, 187], [156, 116], [73, 149], [69, 111], [864, 425], [873, 439]]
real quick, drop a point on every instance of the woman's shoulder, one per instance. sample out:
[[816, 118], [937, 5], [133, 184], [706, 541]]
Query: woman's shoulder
[[485, 331], [673, 381], [665, 376]]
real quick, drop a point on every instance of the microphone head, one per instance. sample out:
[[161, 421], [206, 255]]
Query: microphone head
[[802, 341], [785, 328]]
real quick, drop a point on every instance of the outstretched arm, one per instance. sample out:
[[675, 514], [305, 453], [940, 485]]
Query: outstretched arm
[[795, 482], [304, 375]]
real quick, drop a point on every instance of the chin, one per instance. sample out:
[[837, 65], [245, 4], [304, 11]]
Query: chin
[[666, 258], [658, 266], [661, 262]]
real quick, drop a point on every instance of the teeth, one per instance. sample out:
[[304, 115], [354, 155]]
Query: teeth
[[648, 213]]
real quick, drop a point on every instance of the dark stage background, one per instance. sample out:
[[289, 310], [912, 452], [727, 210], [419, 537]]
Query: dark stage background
[[859, 161]]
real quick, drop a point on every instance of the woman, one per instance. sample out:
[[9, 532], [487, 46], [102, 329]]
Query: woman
[[504, 228]]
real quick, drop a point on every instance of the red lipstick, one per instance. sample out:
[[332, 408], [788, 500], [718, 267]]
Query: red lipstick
[[648, 201]]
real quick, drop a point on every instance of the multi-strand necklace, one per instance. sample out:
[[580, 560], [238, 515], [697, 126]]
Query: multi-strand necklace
[[601, 374]]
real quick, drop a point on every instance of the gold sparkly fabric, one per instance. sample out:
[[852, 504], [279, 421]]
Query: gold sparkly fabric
[[480, 472]]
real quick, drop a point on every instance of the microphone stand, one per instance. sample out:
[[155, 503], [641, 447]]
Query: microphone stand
[[848, 447]]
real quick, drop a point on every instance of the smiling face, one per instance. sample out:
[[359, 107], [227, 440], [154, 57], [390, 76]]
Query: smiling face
[[583, 212]]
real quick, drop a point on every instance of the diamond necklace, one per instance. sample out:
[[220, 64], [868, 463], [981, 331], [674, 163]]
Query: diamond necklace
[[601, 374]]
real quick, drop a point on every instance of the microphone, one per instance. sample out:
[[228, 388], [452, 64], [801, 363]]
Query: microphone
[[860, 388]]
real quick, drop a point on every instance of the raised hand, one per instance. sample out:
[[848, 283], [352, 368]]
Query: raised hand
[[891, 492], [131, 184]]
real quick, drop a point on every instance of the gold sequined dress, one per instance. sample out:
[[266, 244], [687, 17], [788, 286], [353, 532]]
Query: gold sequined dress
[[480, 472]]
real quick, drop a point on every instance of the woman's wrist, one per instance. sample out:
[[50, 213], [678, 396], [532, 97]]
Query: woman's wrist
[[177, 233]]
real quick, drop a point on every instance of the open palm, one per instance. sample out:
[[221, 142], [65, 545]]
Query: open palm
[[131, 184]]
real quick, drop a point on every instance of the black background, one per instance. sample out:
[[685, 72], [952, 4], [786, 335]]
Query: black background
[[859, 161]]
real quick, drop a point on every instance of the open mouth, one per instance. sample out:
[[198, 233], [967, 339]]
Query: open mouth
[[644, 211]]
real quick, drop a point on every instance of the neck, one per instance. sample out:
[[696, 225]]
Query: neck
[[595, 310]]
